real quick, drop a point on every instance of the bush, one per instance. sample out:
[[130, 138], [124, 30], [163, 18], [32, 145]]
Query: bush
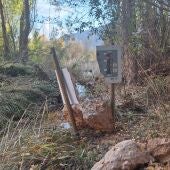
[[15, 70], [27, 91]]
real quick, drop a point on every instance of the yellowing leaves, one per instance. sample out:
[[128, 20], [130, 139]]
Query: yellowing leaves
[[15, 6], [60, 43]]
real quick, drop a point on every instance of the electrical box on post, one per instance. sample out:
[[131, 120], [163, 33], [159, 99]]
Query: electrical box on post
[[109, 60]]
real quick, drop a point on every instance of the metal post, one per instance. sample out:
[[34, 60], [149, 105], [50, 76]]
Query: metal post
[[63, 87], [113, 100]]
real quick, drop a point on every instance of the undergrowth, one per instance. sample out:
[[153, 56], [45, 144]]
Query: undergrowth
[[26, 96], [15, 70], [28, 144], [30, 87], [142, 112]]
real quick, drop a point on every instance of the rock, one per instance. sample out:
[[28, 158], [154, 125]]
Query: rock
[[100, 117], [126, 155], [159, 149], [80, 123]]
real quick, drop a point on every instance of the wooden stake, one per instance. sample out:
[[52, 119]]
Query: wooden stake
[[113, 100], [63, 87]]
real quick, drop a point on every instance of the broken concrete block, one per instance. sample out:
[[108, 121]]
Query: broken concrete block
[[100, 117]]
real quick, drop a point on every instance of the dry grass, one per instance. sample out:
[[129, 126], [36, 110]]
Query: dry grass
[[30, 143]]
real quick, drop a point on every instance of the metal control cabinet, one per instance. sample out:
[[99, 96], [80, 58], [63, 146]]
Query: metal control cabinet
[[109, 60]]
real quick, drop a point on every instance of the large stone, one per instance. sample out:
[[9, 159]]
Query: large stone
[[159, 149], [126, 155], [99, 117], [77, 112]]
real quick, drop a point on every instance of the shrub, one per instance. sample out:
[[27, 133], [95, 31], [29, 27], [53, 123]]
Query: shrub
[[15, 70]]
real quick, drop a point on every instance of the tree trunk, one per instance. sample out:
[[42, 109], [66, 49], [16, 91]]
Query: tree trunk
[[4, 33], [24, 31], [12, 38], [130, 66]]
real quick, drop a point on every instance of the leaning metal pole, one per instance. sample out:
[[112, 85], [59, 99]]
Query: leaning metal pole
[[64, 91]]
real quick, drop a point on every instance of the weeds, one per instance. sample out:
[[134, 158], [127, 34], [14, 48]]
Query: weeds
[[30, 144]]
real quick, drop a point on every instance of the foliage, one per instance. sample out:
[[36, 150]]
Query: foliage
[[13, 18], [35, 47], [22, 91], [140, 27], [15, 70]]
